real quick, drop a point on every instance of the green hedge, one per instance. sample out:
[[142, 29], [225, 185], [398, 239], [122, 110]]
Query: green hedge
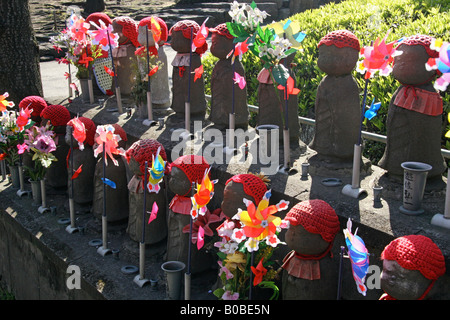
[[368, 20]]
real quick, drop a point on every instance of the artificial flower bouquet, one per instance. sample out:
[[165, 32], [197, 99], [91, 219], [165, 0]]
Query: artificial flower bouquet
[[249, 238], [40, 141]]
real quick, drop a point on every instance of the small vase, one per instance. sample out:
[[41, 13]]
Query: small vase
[[414, 181], [84, 84], [173, 271], [15, 179], [36, 191]]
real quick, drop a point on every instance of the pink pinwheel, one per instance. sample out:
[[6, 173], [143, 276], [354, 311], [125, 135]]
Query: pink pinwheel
[[24, 118], [378, 58], [153, 213], [79, 131], [240, 80], [442, 63], [79, 29], [200, 38], [100, 36], [106, 136]]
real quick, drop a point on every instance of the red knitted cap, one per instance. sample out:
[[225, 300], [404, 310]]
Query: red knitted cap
[[422, 40], [57, 114], [129, 29], [194, 166], [316, 216], [97, 16], [90, 127], [340, 38], [142, 150], [164, 30], [36, 103], [416, 252], [185, 27], [253, 185], [222, 30]]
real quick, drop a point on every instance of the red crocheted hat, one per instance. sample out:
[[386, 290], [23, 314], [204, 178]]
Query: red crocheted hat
[[90, 127], [57, 114], [416, 252], [97, 16], [340, 38], [142, 150], [316, 216], [422, 40], [194, 166], [222, 30], [253, 185], [185, 27], [36, 103], [129, 29], [164, 30]]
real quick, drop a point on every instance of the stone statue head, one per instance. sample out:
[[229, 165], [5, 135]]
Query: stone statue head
[[184, 171]]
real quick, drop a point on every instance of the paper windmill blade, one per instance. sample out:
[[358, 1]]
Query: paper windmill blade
[[77, 172], [359, 257], [104, 36], [200, 38], [153, 213], [109, 182], [290, 30], [79, 131], [205, 192], [239, 80], [442, 64], [156, 172], [373, 110]]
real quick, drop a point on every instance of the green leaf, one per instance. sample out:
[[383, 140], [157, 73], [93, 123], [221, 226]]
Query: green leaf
[[219, 292], [280, 74], [253, 5]]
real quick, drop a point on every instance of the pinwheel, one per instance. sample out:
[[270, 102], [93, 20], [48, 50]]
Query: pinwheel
[[100, 36], [23, 118], [78, 28], [156, 172], [79, 131], [259, 272], [359, 257], [289, 88], [108, 141], [259, 222], [5, 103], [239, 80], [378, 58], [442, 63], [198, 72], [205, 192], [200, 38], [153, 213], [291, 31], [373, 110]]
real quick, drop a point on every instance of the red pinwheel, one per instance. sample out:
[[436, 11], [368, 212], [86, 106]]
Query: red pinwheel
[[289, 87], [200, 38], [259, 272]]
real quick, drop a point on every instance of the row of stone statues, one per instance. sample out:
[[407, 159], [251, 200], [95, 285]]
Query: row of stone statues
[[415, 112]]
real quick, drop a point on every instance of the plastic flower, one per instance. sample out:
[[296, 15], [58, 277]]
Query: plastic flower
[[106, 136], [228, 295], [259, 272], [259, 222], [5, 103], [79, 28], [442, 63], [378, 58], [228, 274], [24, 118]]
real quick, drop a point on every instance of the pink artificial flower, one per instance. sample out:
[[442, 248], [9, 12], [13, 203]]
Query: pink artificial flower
[[44, 144], [22, 148], [228, 274], [230, 296]]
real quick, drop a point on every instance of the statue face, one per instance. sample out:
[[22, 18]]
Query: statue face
[[221, 46], [304, 242], [179, 43], [179, 182], [142, 36], [402, 284], [117, 28], [233, 196], [409, 67]]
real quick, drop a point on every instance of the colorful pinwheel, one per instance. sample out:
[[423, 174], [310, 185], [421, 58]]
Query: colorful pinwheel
[[259, 223], [79, 131], [378, 58], [205, 192], [100, 36], [442, 63], [156, 172], [5, 103], [359, 257], [105, 136]]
